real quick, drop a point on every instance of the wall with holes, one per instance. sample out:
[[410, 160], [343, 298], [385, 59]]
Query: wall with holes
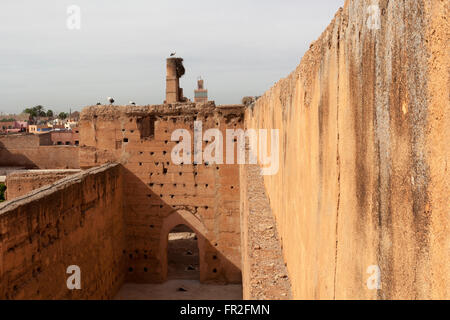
[[159, 194]]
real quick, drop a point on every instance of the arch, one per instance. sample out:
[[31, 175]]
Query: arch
[[183, 254], [182, 217]]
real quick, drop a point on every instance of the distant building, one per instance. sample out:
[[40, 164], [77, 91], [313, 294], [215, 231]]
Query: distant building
[[66, 137], [56, 121], [58, 127], [22, 125], [13, 126], [34, 128], [7, 125], [201, 94], [71, 124]]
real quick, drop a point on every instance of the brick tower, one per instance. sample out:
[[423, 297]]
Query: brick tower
[[175, 70]]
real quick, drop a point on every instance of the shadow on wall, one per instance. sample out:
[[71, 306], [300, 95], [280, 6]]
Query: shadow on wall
[[8, 159], [147, 241], [33, 155]]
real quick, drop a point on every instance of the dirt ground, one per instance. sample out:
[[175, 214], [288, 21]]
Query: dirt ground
[[268, 276], [171, 291]]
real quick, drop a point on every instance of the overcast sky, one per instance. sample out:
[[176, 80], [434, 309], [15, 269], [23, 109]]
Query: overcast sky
[[240, 48]]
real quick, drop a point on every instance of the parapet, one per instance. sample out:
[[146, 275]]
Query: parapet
[[111, 113]]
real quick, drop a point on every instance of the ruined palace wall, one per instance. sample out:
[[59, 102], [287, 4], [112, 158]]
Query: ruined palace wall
[[159, 194], [363, 179], [20, 183], [31, 151], [76, 221]]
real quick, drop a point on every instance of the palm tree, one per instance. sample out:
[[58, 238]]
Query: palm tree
[[40, 110], [31, 112], [36, 112]]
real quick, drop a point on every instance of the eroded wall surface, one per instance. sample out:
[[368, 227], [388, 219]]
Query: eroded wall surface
[[22, 182], [77, 221], [363, 180], [159, 194]]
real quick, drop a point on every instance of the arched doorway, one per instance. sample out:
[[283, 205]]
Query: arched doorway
[[185, 218], [183, 261]]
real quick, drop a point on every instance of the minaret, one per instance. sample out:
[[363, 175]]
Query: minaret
[[201, 94]]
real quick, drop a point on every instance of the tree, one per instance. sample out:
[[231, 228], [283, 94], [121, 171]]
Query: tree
[[36, 112], [31, 112], [63, 115], [40, 110], [49, 113]]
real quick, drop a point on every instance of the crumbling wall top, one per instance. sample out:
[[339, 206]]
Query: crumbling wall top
[[177, 109], [178, 62]]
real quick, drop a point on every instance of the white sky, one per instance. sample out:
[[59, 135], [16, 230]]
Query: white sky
[[240, 48]]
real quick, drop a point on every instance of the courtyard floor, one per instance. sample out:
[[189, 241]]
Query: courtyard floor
[[179, 290]]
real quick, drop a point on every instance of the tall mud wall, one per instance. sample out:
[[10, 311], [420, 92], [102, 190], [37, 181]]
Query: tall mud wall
[[363, 180], [159, 195], [76, 221], [31, 151]]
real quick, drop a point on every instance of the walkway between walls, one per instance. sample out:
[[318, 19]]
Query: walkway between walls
[[264, 272]]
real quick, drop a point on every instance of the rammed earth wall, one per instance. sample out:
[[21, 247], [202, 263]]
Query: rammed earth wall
[[364, 125], [77, 221]]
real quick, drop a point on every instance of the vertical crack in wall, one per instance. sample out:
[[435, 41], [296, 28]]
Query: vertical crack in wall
[[417, 85], [383, 80], [338, 161]]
